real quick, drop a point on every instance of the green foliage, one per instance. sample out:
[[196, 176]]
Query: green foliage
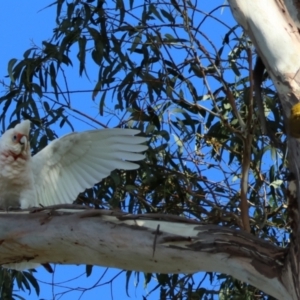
[[24, 281], [168, 76]]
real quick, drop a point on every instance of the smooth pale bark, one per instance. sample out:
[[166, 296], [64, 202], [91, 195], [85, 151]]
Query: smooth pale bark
[[276, 37], [277, 42], [166, 245]]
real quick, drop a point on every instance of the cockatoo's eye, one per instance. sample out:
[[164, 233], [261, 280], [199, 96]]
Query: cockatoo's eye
[[19, 138]]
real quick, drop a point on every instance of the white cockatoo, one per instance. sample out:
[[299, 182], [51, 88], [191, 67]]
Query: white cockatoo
[[63, 169]]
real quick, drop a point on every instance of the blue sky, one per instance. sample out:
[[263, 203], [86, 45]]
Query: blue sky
[[23, 25]]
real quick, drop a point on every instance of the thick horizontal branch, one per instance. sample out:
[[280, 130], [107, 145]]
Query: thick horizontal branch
[[148, 243]]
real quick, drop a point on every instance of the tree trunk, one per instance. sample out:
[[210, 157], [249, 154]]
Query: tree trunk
[[275, 34], [148, 243]]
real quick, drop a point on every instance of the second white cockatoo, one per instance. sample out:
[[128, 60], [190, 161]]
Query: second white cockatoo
[[63, 169]]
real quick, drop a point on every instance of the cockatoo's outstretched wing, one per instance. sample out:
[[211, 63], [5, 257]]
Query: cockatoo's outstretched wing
[[69, 165]]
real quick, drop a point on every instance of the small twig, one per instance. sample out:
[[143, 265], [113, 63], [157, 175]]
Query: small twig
[[244, 183], [155, 239]]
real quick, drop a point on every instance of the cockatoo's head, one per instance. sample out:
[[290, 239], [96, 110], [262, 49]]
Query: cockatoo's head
[[15, 141]]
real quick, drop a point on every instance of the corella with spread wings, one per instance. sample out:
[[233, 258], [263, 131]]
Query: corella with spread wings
[[63, 169]]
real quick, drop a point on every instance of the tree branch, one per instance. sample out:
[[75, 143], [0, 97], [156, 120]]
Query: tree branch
[[115, 239]]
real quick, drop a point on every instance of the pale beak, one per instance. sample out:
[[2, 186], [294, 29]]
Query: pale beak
[[23, 142]]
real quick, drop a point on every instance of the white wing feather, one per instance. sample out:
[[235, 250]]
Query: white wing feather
[[69, 165]]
